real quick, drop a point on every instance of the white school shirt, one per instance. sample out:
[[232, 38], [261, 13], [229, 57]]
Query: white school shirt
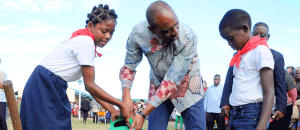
[[246, 86], [65, 61], [3, 77]]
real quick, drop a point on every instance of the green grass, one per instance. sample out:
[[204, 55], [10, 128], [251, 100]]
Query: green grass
[[79, 125]]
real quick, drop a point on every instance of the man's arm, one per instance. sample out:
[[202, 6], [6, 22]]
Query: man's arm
[[225, 106], [126, 77], [267, 83], [134, 56], [227, 87], [279, 84]]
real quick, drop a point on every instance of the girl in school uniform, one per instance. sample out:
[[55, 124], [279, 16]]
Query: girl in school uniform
[[45, 105]]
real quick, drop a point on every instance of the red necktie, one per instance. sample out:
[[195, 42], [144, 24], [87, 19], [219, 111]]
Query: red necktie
[[251, 44], [85, 32]]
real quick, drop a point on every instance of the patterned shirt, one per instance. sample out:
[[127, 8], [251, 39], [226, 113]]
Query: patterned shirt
[[174, 73]]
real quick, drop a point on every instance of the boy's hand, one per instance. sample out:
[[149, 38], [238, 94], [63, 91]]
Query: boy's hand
[[225, 110], [137, 123], [260, 127], [277, 115]]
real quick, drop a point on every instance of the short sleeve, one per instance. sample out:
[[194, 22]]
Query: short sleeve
[[3, 76], [84, 50], [263, 57]]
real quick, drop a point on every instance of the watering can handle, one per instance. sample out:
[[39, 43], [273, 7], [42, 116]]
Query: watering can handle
[[130, 120]]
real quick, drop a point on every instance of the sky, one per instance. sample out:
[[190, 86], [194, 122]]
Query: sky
[[31, 29]]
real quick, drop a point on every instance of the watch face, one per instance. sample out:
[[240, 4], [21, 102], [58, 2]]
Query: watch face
[[142, 114]]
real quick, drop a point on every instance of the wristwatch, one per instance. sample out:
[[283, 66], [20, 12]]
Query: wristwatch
[[142, 114]]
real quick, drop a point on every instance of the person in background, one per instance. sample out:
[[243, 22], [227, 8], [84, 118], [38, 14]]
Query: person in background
[[76, 109], [212, 105], [178, 119], [85, 108], [3, 77], [95, 109], [296, 122], [291, 71], [205, 86]]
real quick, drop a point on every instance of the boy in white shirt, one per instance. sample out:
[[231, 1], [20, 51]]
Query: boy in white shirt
[[252, 93]]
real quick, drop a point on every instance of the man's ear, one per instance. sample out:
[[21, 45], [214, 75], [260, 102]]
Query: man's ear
[[268, 37], [151, 29], [246, 28]]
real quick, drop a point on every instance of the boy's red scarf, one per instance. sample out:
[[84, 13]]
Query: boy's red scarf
[[85, 32], [251, 44]]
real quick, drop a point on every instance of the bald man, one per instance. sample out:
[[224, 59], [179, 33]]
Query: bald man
[[175, 79]]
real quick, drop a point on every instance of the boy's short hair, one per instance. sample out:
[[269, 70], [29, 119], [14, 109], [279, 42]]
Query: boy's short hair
[[234, 19], [217, 75], [261, 24], [290, 67]]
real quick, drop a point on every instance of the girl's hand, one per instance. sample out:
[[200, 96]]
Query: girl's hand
[[115, 115]]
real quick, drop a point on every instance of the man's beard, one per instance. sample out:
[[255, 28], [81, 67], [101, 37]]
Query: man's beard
[[169, 39]]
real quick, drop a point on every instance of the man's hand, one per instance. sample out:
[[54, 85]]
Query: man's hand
[[125, 112], [137, 123], [277, 115], [225, 110], [129, 105]]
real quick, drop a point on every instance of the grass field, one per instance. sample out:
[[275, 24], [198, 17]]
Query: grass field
[[79, 125]]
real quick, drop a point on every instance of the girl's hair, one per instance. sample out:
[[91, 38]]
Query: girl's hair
[[100, 14]]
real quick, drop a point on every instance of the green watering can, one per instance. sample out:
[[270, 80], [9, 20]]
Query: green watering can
[[120, 124]]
